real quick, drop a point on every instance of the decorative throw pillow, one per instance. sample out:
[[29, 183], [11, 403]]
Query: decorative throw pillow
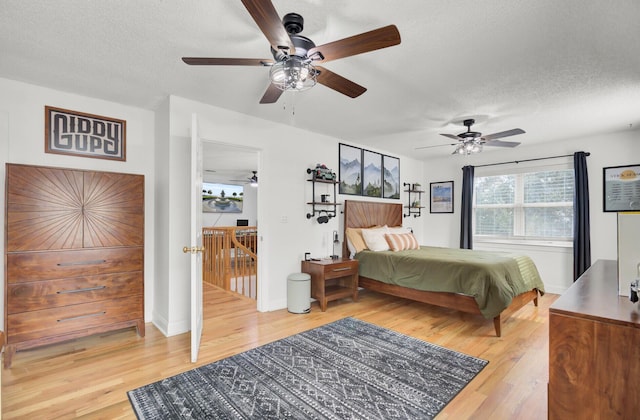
[[375, 240], [401, 241], [355, 241]]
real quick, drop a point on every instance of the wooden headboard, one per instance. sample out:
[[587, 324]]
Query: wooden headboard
[[364, 214]]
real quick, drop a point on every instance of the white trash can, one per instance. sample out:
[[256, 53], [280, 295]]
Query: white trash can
[[299, 293]]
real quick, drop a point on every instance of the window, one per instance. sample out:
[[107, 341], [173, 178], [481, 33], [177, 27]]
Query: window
[[536, 205]]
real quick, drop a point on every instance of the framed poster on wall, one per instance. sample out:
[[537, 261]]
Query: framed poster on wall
[[390, 177], [441, 197], [621, 188], [85, 135], [371, 174], [350, 170]]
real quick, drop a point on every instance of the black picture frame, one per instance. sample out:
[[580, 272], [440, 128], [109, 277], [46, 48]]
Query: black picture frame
[[441, 197], [367, 173], [390, 177], [621, 188], [349, 169], [371, 174]]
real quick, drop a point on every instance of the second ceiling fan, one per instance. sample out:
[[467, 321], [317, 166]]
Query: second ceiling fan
[[295, 57], [472, 141]]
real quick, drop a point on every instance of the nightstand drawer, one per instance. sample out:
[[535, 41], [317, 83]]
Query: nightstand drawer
[[340, 270]]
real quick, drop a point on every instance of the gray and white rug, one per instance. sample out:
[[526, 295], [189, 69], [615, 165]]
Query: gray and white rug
[[348, 369]]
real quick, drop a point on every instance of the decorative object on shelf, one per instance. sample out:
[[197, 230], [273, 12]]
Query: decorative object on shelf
[[621, 189], [322, 172], [322, 175], [413, 200], [441, 197], [367, 173], [85, 135]]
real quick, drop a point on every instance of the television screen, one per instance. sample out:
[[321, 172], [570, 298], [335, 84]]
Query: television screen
[[222, 198]]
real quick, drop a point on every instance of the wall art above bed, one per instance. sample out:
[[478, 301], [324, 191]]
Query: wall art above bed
[[366, 173]]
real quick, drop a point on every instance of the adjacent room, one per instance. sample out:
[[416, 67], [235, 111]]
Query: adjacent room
[[288, 209]]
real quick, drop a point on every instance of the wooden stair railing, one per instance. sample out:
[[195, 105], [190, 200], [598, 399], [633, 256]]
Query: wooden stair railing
[[230, 258]]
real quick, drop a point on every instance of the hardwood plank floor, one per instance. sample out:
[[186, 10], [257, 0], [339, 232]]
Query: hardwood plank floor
[[89, 377]]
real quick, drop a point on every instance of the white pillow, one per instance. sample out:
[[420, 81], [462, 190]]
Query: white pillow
[[375, 240], [398, 229]]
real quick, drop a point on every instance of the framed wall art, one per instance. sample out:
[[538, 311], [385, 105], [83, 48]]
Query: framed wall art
[[350, 170], [222, 198], [366, 173], [390, 177], [86, 135], [441, 194], [621, 189], [371, 174]]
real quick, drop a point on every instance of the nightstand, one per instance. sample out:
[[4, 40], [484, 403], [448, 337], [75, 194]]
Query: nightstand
[[332, 279]]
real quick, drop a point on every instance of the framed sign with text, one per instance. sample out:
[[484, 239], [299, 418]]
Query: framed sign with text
[[621, 188], [85, 135]]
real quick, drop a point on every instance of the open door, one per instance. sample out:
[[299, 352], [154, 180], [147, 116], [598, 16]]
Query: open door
[[196, 239]]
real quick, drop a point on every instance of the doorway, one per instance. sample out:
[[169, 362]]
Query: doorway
[[230, 216]]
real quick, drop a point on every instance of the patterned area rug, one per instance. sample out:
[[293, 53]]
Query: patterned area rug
[[348, 369]]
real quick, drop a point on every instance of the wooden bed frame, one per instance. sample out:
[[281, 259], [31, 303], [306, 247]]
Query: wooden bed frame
[[365, 214]]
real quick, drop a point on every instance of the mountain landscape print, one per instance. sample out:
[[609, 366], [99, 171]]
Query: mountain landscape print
[[363, 172], [350, 170], [372, 174], [390, 177]]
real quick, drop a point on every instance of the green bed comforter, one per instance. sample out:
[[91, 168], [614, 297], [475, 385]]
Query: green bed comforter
[[492, 278]]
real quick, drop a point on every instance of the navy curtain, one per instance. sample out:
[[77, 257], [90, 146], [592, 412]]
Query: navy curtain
[[466, 220], [581, 230]]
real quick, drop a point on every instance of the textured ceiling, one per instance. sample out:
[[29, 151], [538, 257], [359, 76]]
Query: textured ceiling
[[557, 69]]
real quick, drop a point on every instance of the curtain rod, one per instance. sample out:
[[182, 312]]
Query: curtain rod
[[527, 160]]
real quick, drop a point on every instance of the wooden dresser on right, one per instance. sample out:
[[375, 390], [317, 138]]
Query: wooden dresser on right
[[594, 349]]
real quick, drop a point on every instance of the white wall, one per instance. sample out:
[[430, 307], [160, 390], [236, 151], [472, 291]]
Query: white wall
[[555, 264], [22, 141]]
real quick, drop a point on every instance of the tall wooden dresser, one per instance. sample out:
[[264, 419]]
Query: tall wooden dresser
[[594, 349], [74, 254]]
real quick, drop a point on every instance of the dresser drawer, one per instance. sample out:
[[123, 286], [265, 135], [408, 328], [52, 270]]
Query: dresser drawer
[[38, 325], [343, 269], [33, 296], [35, 266]]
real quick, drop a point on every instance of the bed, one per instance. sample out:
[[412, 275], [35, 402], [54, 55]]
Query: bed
[[493, 285]]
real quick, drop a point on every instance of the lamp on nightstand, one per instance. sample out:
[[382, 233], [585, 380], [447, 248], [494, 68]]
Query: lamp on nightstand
[[336, 242]]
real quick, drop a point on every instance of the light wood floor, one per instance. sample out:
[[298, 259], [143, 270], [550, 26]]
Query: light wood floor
[[89, 377]]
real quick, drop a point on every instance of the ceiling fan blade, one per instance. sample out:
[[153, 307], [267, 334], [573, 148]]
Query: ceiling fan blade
[[435, 145], [206, 61], [451, 136], [358, 44], [267, 19], [502, 134], [339, 83], [271, 95], [500, 143]]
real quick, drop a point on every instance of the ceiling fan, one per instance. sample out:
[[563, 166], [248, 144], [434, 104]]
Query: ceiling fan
[[473, 141], [252, 180], [293, 66]]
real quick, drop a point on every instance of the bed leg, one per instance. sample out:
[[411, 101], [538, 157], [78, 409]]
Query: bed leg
[[497, 326], [535, 299]]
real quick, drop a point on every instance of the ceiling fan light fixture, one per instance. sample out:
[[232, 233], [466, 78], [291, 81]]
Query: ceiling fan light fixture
[[469, 146], [293, 73]]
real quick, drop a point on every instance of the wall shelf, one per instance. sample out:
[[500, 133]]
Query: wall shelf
[[320, 203], [414, 200]]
